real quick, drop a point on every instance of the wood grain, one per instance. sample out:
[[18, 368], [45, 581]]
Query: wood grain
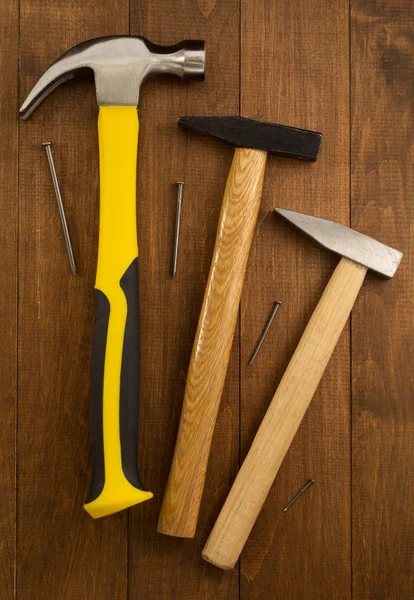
[[382, 64], [8, 298], [62, 552], [284, 416], [286, 62], [162, 567], [296, 53], [212, 343]]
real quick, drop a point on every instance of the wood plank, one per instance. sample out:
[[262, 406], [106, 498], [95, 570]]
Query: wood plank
[[62, 552], [295, 71], [163, 567], [382, 46], [9, 21]]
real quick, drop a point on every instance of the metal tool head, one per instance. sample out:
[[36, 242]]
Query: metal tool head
[[347, 242], [249, 133], [120, 65]]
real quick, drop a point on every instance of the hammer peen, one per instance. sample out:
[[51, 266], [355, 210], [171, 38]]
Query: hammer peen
[[359, 253], [213, 340], [120, 65]]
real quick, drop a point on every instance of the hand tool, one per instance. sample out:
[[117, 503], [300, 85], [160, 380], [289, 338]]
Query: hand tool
[[120, 65], [48, 147], [299, 494], [265, 332], [180, 185], [217, 322], [302, 376]]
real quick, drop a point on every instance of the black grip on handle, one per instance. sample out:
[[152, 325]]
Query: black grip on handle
[[129, 384], [102, 309]]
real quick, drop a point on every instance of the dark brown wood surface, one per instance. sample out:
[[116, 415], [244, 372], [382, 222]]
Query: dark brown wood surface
[[8, 297], [383, 320], [345, 69]]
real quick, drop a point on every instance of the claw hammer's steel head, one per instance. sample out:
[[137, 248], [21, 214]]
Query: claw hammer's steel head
[[347, 242], [120, 65], [249, 133]]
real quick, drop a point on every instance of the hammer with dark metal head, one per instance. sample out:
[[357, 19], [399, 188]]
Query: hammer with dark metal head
[[211, 350], [120, 65], [359, 253]]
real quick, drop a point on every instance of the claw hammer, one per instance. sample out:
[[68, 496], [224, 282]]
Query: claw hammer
[[120, 65]]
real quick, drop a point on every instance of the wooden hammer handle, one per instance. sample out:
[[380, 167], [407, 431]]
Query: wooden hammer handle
[[284, 416], [212, 344]]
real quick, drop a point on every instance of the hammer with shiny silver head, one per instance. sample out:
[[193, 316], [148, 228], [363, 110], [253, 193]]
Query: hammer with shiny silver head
[[120, 65], [359, 253]]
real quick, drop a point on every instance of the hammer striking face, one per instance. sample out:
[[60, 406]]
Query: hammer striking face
[[120, 65]]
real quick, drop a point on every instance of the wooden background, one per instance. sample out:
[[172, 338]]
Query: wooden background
[[339, 67]]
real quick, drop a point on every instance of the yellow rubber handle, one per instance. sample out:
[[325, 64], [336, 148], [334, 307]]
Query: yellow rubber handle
[[115, 357]]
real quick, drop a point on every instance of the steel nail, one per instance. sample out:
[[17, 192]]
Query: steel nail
[[48, 148], [265, 331], [299, 494], [180, 185]]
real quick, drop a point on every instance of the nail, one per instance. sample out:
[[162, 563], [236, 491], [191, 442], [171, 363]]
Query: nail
[[265, 331], [299, 494], [48, 148], [180, 185]]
